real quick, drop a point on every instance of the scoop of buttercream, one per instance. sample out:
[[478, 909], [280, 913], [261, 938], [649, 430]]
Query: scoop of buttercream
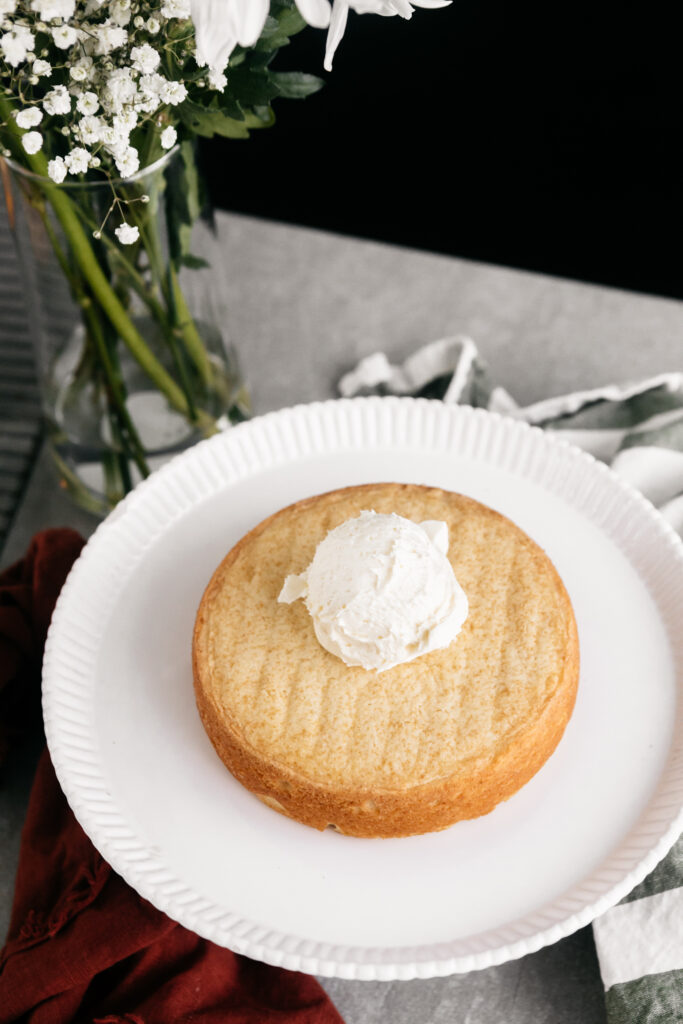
[[381, 591]]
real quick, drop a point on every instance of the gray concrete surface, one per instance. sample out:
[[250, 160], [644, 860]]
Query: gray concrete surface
[[301, 307]]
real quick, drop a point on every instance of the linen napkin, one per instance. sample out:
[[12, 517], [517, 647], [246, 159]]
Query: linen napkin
[[82, 945], [637, 429]]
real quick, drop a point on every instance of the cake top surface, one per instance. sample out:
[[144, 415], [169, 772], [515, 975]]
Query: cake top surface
[[301, 708]]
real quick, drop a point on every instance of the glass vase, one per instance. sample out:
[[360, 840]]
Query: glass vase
[[131, 360]]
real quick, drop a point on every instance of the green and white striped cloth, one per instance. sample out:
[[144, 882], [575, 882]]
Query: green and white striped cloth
[[638, 430]]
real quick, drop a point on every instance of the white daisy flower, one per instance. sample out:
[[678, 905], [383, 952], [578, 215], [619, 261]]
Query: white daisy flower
[[221, 25], [127, 233], [341, 8], [32, 142]]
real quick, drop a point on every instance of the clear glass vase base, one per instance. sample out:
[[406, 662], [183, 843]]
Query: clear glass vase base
[[93, 467]]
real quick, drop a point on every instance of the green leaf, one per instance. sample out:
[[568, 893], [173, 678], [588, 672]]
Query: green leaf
[[278, 30], [260, 117], [260, 58], [193, 262], [295, 85], [211, 120], [227, 104], [251, 87]]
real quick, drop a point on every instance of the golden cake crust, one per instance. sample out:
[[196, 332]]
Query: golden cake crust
[[419, 746]]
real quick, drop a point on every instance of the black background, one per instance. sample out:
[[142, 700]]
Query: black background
[[544, 136]]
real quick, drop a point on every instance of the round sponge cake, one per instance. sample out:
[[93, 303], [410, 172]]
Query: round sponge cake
[[413, 749]]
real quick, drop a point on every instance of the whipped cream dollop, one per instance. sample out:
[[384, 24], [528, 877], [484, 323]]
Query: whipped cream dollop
[[381, 591]]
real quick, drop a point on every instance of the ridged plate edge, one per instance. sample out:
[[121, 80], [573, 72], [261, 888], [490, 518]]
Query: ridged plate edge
[[115, 549]]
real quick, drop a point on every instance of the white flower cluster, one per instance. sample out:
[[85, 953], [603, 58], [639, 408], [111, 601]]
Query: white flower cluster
[[98, 77]]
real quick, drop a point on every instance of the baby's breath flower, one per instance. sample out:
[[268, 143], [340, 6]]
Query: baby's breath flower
[[125, 122], [15, 44], [173, 93], [65, 36], [119, 11], [77, 160], [49, 9], [32, 142], [168, 137], [119, 90], [81, 68], [175, 9], [41, 68], [88, 103], [7, 7], [127, 162], [217, 79], [29, 117], [139, 21], [57, 101], [153, 26], [144, 59], [89, 130], [107, 38], [113, 139], [57, 169], [127, 233]]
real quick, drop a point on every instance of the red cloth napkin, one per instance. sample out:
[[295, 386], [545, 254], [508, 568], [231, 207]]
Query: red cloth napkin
[[82, 945]]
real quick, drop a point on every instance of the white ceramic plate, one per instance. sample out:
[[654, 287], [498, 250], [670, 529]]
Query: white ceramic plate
[[146, 785]]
